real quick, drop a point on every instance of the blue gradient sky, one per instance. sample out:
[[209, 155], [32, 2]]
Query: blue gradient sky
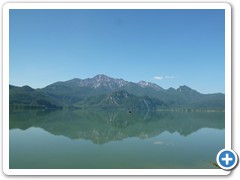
[[166, 47]]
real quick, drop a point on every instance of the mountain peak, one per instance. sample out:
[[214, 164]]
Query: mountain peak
[[148, 84], [101, 76], [27, 88], [143, 83], [103, 81], [185, 88]]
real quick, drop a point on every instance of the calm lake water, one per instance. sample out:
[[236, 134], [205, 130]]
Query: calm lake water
[[115, 139]]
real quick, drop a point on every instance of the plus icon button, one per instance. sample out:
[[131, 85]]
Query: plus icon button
[[227, 159]]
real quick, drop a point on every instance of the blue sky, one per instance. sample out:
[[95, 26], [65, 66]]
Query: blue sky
[[166, 47]]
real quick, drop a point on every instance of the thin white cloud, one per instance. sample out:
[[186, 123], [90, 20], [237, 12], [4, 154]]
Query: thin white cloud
[[163, 77], [158, 77]]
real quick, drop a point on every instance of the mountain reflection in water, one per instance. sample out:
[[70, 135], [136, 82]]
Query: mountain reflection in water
[[102, 126]]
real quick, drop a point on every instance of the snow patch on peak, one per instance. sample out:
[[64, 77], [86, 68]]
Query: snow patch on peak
[[144, 83], [148, 84]]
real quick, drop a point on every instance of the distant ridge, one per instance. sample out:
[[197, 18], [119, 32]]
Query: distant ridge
[[106, 92]]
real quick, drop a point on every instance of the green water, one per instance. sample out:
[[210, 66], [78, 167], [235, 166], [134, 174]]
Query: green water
[[114, 139]]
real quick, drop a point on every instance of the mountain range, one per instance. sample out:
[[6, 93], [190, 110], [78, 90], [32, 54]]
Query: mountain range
[[102, 91]]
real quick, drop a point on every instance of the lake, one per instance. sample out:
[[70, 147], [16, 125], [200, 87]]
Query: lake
[[99, 139]]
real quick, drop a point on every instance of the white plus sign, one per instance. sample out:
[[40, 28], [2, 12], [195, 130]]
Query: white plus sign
[[227, 159]]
